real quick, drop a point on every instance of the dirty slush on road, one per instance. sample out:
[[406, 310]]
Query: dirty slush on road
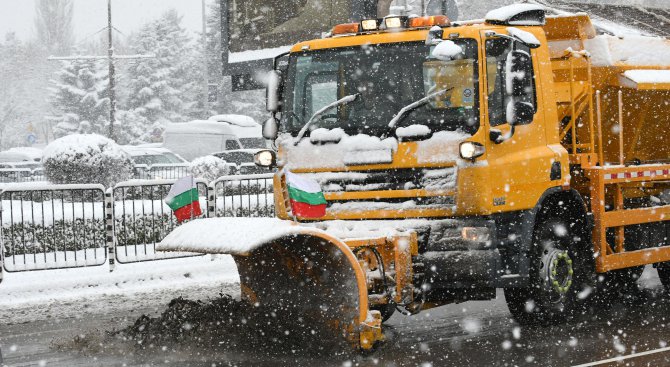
[[223, 324]]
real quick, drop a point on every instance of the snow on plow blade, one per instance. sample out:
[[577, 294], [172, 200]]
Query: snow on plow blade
[[301, 271]]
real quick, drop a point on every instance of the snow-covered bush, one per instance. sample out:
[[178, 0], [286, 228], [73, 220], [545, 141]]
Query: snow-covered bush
[[86, 158], [209, 168]]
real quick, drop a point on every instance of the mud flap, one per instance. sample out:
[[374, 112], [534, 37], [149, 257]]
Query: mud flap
[[314, 277]]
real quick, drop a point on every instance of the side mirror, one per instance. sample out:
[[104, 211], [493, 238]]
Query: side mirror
[[272, 92], [434, 35], [519, 113], [518, 71], [271, 128]]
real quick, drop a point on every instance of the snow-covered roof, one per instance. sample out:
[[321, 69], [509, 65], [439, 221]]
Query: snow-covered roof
[[135, 150], [199, 127], [9, 156], [239, 120], [267, 53], [646, 79], [517, 14], [33, 153], [608, 50]]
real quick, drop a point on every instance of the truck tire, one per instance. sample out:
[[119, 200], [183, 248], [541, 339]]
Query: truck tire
[[561, 276]]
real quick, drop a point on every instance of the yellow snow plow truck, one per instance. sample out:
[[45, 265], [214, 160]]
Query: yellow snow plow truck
[[524, 151]]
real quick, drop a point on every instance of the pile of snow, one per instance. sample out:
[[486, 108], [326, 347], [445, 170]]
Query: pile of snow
[[348, 150], [446, 51], [648, 76], [209, 168], [32, 154], [609, 50], [412, 131], [441, 147], [335, 149], [506, 14], [86, 158]]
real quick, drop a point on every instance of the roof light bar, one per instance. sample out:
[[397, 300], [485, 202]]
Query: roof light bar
[[369, 24], [346, 28], [395, 22], [426, 22]]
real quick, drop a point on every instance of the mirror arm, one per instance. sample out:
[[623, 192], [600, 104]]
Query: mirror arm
[[497, 137], [274, 60]]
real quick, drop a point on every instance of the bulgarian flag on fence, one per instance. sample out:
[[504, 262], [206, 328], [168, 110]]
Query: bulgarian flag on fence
[[183, 199], [307, 200]]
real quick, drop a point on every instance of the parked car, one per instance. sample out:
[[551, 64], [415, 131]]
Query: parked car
[[21, 154], [152, 155], [241, 161], [153, 162]]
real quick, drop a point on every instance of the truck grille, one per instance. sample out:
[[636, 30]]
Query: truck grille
[[431, 179], [396, 190]]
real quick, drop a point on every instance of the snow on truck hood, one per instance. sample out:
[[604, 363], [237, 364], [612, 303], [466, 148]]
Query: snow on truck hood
[[337, 150]]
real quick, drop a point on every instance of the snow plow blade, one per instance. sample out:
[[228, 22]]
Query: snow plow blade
[[302, 272]]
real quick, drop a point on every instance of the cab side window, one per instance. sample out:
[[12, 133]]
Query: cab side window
[[497, 52]]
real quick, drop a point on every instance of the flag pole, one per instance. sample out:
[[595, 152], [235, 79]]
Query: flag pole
[[196, 198]]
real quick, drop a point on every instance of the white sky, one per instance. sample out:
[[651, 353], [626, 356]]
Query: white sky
[[91, 15]]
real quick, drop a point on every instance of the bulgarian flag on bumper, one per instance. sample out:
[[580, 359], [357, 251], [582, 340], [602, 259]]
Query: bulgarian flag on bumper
[[307, 200], [183, 199]]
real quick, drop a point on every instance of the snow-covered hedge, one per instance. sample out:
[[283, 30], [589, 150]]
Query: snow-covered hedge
[[209, 168], [86, 158]]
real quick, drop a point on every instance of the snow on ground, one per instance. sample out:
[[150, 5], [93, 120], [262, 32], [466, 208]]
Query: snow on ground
[[39, 295]]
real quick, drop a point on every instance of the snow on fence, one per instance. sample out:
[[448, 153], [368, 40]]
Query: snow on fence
[[45, 226], [52, 227]]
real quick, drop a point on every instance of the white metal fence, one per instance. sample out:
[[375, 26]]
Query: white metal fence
[[46, 226]]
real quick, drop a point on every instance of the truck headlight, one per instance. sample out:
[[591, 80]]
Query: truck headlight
[[471, 150], [265, 158], [476, 234]]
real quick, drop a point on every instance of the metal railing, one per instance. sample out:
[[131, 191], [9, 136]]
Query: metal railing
[[242, 196], [142, 219], [52, 227], [45, 226]]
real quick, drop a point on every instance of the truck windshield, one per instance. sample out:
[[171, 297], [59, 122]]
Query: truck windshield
[[387, 77]]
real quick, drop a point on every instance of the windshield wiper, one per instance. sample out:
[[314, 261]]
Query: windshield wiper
[[342, 101], [416, 104]]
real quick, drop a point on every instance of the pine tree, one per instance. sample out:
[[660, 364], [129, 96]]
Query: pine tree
[[79, 96], [161, 88]]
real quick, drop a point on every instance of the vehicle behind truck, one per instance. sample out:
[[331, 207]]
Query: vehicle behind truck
[[524, 152]]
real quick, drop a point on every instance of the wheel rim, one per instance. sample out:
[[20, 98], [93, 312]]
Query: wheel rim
[[558, 273]]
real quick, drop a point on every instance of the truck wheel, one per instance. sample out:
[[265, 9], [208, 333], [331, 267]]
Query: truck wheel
[[560, 278]]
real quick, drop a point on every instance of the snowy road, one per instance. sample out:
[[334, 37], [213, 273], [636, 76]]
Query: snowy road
[[469, 334]]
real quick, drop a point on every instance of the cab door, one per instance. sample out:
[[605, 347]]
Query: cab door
[[518, 156]]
